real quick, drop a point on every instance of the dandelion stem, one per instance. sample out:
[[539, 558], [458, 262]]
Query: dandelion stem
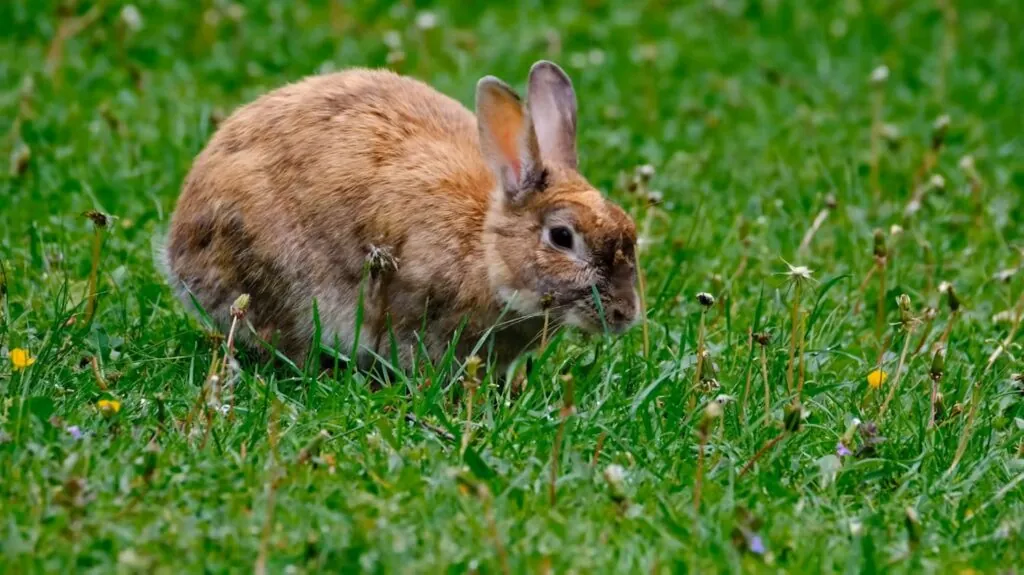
[[597, 449], [899, 372], [644, 326], [929, 324], [767, 388], [699, 479], [880, 311], [567, 410], [819, 220], [949, 328], [803, 335], [864, 286], [700, 360], [965, 437], [750, 370], [764, 449], [270, 488], [642, 286], [544, 330], [94, 271], [793, 336], [471, 383]]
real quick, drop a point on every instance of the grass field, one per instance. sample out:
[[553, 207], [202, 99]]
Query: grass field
[[776, 140]]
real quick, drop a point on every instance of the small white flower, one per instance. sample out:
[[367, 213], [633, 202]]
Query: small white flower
[[856, 527], [131, 17], [941, 123], [802, 272], [615, 475], [426, 20], [895, 230], [1005, 316], [967, 163], [1006, 275], [880, 74], [890, 132], [392, 39], [944, 287], [937, 182], [646, 171]]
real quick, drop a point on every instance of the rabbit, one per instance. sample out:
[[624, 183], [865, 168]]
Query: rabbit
[[377, 197]]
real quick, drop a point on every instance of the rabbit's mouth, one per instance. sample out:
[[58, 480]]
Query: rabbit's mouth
[[613, 317]]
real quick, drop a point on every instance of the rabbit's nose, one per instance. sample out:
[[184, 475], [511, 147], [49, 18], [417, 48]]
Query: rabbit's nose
[[621, 315], [618, 316]]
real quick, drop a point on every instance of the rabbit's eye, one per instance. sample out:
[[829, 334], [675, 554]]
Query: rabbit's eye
[[561, 236]]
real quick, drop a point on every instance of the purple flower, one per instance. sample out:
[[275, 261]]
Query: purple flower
[[842, 450], [75, 432], [756, 544]]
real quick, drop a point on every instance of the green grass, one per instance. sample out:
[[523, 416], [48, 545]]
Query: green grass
[[751, 113]]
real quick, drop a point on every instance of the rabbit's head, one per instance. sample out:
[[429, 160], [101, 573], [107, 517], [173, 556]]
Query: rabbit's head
[[554, 243]]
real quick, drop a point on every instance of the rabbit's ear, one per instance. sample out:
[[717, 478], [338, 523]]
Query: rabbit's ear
[[507, 139], [552, 103]]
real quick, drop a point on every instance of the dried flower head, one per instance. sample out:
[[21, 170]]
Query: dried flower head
[[381, 260], [906, 310], [705, 299], [951, 298], [548, 299], [99, 219], [939, 130], [793, 416], [710, 385], [938, 367], [473, 364], [240, 306], [763, 338], [880, 250]]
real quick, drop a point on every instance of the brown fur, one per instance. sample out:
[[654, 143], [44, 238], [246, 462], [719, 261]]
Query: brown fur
[[294, 190]]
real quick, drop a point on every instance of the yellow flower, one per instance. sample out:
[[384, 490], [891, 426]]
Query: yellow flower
[[877, 378], [108, 407], [21, 359]]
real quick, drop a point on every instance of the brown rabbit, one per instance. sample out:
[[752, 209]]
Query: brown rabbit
[[478, 219]]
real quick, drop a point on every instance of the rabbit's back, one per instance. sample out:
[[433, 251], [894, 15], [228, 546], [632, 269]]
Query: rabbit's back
[[296, 189]]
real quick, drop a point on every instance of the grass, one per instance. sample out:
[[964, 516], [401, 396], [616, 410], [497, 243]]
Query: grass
[[756, 117]]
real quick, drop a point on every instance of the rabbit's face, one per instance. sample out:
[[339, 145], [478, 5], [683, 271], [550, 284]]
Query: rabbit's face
[[568, 252], [554, 244]]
